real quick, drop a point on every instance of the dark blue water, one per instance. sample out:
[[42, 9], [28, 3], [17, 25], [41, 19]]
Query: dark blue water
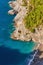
[[12, 52]]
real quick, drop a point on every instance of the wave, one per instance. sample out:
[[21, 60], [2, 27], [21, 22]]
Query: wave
[[31, 57]]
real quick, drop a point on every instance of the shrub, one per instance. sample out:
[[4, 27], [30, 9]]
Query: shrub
[[34, 16]]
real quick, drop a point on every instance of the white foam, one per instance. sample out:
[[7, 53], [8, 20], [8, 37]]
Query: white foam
[[33, 56]]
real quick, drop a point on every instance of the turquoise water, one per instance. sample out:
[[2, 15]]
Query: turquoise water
[[23, 47], [7, 45]]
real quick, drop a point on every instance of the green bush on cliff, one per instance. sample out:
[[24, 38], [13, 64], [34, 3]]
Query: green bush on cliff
[[34, 16]]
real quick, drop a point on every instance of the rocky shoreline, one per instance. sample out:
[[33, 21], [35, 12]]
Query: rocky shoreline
[[38, 59], [21, 33]]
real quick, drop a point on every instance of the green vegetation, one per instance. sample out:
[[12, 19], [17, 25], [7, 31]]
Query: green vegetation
[[34, 17]]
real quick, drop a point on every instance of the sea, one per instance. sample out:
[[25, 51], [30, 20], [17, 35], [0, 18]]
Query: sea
[[12, 52]]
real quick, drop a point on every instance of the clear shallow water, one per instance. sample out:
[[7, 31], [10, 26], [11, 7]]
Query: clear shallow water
[[12, 52]]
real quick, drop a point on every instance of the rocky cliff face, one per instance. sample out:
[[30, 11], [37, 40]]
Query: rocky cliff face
[[20, 32]]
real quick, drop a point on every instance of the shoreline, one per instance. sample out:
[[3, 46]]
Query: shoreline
[[21, 33], [38, 59]]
